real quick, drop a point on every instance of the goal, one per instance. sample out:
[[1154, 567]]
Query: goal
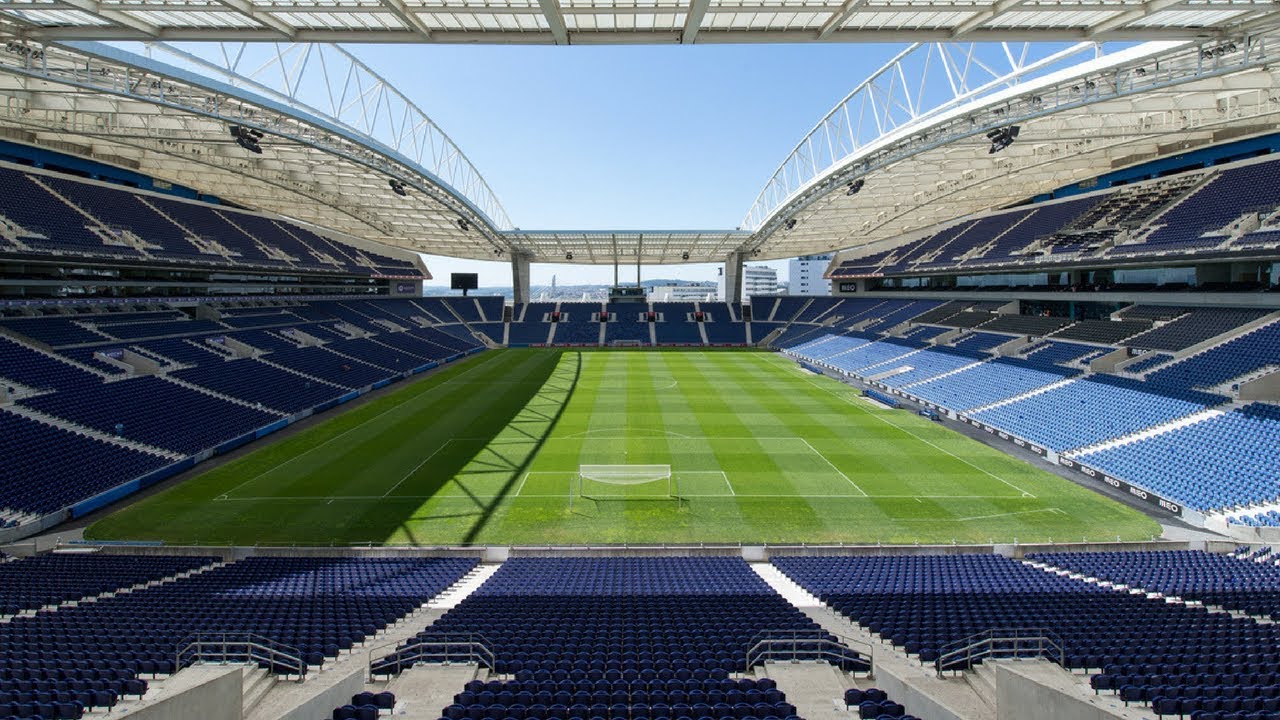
[[604, 482]]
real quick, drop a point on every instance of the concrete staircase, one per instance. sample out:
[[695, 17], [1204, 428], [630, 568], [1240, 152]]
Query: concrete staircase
[[905, 679], [463, 588], [426, 313], [815, 688], [327, 686], [267, 360], [92, 433], [220, 396], [423, 691], [1023, 396], [1185, 420], [257, 683], [44, 350], [114, 593], [948, 373]]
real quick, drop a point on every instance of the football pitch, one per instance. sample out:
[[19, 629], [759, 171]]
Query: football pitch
[[488, 452]]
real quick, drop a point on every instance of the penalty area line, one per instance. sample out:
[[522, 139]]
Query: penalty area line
[[877, 416], [398, 406], [814, 450], [417, 467]]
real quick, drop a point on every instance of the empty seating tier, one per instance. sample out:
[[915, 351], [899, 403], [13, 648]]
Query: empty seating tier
[[617, 638], [1146, 649], [33, 583], [562, 614], [315, 607], [1217, 580]]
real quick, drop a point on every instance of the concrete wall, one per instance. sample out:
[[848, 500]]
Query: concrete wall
[[1020, 695], [922, 696], [1107, 363], [208, 693], [321, 704], [1265, 388], [754, 553]]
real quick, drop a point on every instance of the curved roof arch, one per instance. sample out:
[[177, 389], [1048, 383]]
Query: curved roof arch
[[1113, 111], [172, 123], [335, 135], [328, 82]]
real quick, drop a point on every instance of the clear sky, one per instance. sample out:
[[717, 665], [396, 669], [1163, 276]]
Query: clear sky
[[618, 137]]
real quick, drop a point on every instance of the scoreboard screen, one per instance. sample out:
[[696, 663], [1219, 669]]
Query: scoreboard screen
[[628, 293]]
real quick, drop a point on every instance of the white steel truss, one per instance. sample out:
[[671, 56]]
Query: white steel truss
[[905, 151], [582, 22], [328, 82], [882, 164], [333, 170]]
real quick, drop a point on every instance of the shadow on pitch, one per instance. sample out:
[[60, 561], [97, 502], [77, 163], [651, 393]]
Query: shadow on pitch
[[524, 415]]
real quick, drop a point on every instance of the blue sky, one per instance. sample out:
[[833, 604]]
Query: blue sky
[[646, 137]]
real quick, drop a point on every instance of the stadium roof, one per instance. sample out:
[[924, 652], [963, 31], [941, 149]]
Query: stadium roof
[[842, 190], [565, 22], [905, 150]]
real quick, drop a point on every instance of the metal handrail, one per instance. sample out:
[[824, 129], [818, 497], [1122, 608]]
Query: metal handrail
[[861, 645], [791, 644], [438, 647], [240, 647], [990, 643]]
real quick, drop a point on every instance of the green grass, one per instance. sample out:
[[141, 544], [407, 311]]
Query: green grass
[[487, 452]]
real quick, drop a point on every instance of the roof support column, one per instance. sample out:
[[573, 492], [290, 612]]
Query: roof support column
[[520, 277], [733, 277]]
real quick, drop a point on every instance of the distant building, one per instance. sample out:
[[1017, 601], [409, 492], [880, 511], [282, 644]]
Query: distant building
[[805, 275], [756, 280], [683, 292]]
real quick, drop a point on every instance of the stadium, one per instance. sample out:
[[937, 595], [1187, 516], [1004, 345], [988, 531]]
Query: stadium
[[1019, 462]]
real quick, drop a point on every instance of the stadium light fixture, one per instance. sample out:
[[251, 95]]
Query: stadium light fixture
[[397, 187], [1002, 138], [790, 224], [463, 225], [247, 138], [684, 255], [568, 256], [855, 186]]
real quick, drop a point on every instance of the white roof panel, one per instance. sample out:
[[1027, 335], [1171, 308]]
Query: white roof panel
[[630, 21]]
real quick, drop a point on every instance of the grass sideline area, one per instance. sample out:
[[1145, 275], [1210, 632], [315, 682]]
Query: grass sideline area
[[487, 452]]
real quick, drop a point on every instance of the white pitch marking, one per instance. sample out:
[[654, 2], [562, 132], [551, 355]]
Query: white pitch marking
[[1009, 514], [314, 498], [418, 466], [840, 472], [393, 408], [877, 416], [591, 433]]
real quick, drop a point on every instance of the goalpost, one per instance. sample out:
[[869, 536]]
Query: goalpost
[[591, 477]]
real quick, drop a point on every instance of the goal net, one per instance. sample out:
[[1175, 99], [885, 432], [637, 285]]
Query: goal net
[[620, 482]]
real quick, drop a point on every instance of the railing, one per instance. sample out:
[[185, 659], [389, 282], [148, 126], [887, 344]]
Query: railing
[[457, 647], [241, 648], [793, 645], [1001, 642]]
